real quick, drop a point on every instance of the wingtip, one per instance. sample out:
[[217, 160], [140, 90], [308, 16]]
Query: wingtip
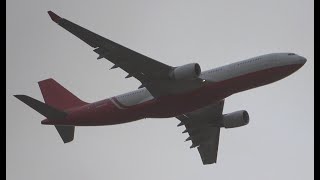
[[54, 16]]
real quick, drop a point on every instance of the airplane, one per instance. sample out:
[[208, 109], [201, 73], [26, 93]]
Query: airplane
[[194, 97]]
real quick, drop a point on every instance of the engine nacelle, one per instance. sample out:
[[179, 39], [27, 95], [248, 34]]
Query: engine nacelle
[[187, 71], [235, 119]]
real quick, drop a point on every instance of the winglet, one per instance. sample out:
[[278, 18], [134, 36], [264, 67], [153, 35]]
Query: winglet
[[54, 17]]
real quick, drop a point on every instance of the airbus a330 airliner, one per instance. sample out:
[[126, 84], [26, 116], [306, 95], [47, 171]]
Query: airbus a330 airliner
[[195, 98]]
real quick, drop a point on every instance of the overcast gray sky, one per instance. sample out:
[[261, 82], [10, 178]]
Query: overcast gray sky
[[277, 143]]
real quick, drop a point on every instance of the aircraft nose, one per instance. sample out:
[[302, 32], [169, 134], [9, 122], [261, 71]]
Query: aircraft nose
[[302, 60]]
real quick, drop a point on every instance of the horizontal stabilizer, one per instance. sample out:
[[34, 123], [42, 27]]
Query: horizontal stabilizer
[[66, 133], [42, 108]]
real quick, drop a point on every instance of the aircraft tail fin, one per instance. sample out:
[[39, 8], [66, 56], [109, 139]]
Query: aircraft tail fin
[[57, 96], [57, 100]]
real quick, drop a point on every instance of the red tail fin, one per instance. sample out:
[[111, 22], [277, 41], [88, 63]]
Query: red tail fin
[[57, 96]]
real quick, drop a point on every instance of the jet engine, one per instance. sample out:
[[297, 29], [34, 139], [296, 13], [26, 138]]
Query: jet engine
[[187, 71], [235, 119]]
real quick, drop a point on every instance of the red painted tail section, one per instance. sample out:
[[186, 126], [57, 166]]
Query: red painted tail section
[[57, 96]]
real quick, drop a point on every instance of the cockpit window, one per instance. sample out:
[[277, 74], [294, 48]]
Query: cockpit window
[[291, 54]]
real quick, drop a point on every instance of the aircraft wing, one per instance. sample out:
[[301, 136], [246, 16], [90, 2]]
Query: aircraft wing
[[203, 126], [137, 65]]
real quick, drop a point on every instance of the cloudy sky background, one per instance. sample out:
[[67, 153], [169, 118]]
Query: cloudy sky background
[[277, 143]]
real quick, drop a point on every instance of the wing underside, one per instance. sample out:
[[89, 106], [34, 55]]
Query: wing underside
[[135, 64], [203, 127], [152, 74]]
